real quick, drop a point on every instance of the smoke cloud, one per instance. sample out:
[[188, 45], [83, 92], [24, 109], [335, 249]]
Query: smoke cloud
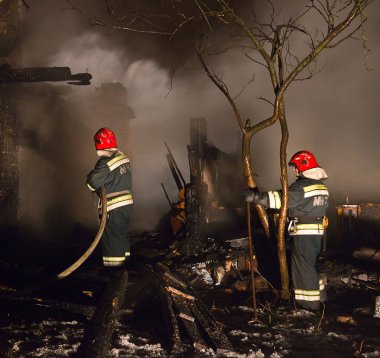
[[133, 92]]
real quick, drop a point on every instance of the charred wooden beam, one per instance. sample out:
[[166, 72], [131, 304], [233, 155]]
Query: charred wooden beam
[[179, 293], [212, 328], [175, 280], [171, 322], [196, 191], [371, 285], [177, 175], [76, 308], [202, 328], [189, 322], [99, 331], [43, 74]]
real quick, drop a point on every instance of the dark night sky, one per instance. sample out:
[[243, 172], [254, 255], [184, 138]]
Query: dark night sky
[[334, 114]]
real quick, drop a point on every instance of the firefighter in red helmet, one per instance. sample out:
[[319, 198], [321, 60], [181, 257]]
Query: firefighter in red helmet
[[113, 171], [307, 204]]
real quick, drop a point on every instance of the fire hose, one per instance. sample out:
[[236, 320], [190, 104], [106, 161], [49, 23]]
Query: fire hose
[[94, 243], [76, 264]]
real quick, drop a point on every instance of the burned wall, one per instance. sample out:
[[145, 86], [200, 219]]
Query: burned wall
[[9, 124]]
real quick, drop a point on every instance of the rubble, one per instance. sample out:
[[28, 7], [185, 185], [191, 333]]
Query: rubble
[[377, 307], [346, 319]]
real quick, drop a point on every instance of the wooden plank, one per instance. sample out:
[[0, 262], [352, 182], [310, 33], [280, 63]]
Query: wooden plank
[[175, 280], [171, 321], [203, 321], [179, 293], [208, 325], [189, 323], [212, 328]]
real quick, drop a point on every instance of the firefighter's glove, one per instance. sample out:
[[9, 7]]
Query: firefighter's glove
[[249, 195]]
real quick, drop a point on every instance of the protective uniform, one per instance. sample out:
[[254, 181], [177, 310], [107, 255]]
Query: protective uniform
[[114, 172], [307, 203]]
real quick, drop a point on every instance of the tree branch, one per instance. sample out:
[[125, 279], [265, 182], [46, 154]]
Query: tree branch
[[244, 88], [353, 14], [239, 21], [204, 15], [222, 88]]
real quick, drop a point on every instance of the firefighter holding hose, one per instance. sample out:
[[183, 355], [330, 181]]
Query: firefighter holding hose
[[113, 171], [307, 204]]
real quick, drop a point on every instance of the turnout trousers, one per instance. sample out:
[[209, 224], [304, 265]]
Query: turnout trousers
[[308, 288], [115, 244]]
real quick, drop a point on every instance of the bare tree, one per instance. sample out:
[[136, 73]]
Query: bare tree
[[272, 44]]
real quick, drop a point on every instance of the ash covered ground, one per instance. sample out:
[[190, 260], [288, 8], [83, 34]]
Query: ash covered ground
[[346, 327]]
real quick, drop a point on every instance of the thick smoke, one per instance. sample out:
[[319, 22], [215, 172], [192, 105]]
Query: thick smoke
[[332, 114]]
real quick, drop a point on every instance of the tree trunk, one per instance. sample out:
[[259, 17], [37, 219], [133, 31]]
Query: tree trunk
[[281, 245], [248, 171]]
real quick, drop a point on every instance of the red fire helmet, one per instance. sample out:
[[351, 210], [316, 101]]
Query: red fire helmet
[[105, 139], [303, 160]]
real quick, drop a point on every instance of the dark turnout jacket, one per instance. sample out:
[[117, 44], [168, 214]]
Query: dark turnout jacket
[[114, 173], [307, 204]]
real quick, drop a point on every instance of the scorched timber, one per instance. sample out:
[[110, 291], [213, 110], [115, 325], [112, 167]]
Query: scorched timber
[[167, 307], [190, 311], [99, 331]]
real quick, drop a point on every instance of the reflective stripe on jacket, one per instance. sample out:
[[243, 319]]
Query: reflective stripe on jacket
[[113, 261], [306, 229], [119, 201], [117, 161], [307, 295]]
